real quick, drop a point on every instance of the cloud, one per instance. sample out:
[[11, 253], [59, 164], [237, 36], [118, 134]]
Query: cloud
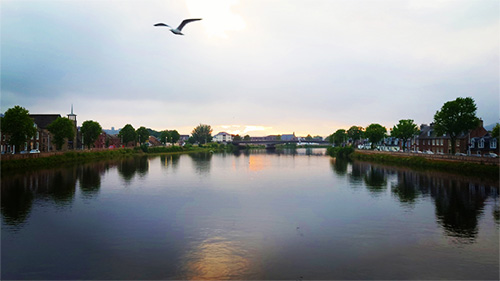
[[283, 65]]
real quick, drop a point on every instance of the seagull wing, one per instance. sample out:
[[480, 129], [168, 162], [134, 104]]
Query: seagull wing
[[161, 24], [184, 22]]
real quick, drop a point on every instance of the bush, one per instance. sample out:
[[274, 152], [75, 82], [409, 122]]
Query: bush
[[340, 152]]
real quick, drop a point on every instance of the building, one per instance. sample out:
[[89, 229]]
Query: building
[[483, 145], [222, 137], [43, 138], [428, 140], [288, 137]]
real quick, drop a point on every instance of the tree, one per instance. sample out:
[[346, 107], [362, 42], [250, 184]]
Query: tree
[[309, 138], [174, 136], [405, 130], [237, 138], [18, 125], [456, 117], [165, 136], [355, 133], [202, 133], [62, 128], [495, 132], [142, 134], [247, 137], [375, 133], [330, 139], [278, 137], [339, 137], [90, 132], [127, 134]]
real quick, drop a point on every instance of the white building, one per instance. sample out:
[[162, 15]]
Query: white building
[[222, 137]]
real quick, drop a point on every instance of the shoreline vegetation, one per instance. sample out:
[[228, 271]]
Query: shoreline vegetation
[[419, 162], [33, 161]]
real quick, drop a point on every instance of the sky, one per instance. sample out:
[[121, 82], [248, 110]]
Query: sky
[[256, 67]]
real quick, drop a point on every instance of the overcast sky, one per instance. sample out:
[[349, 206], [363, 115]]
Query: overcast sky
[[251, 66]]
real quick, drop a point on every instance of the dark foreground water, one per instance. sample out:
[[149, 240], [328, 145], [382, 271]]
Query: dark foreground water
[[295, 216]]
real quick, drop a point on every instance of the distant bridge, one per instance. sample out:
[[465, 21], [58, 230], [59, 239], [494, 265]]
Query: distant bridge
[[271, 144]]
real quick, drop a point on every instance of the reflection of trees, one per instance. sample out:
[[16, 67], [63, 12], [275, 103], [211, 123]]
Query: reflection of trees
[[16, 201], [201, 162], [19, 192], [405, 190], [90, 179], [130, 166], [339, 165], [496, 213], [62, 190], [459, 203], [171, 160], [375, 179], [458, 208], [357, 173]]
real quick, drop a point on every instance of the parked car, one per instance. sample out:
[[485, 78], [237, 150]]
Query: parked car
[[24, 152], [491, 154], [460, 154], [34, 151], [428, 152]]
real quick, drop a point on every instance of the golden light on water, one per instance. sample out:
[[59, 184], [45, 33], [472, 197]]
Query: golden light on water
[[215, 258]]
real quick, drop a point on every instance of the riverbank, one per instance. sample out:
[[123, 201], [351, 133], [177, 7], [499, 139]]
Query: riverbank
[[486, 167], [25, 161]]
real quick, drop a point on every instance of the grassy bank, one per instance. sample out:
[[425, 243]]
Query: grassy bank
[[85, 156], [68, 157], [464, 168]]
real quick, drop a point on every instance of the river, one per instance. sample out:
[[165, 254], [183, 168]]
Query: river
[[294, 215]]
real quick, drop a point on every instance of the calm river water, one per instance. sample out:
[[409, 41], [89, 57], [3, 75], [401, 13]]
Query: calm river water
[[284, 215]]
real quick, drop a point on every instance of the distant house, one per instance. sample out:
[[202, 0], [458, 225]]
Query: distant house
[[154, 141], [390, 144], [43, 139], [483, 145], [288, 137], [428, 140], [222, 137]]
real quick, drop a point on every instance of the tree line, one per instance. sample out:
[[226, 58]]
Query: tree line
[[454, 118]]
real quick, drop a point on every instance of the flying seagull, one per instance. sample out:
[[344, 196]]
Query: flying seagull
[[179, 28]]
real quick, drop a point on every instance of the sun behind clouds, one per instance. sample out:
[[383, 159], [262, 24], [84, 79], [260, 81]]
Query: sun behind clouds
[[217, 16]]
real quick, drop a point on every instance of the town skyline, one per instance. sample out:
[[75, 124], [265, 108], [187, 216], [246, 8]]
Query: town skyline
[[250, 67]]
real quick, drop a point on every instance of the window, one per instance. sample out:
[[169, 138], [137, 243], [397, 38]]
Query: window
[[433, 142], [472, 143], [481, 143], [493, 143]]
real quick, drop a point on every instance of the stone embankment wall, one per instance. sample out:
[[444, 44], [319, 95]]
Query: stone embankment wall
[[449, 158]]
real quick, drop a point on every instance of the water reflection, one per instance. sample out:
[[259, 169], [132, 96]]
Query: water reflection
[[201, 162], [90, 181], [459, 203], [170, 161], [405, 189], [56, 185], [374, 179], [129, 167], [339, 165], [215, 258], [17, 198]]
